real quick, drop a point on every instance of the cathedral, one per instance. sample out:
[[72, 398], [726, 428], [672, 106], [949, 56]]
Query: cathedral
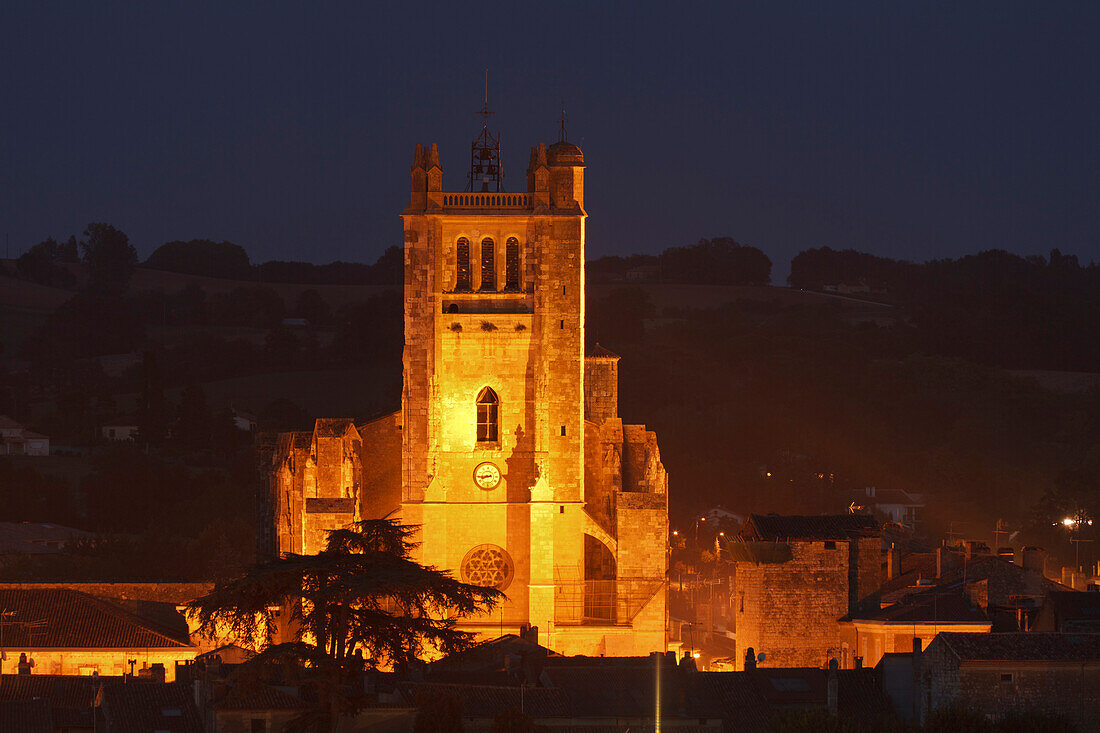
[[508, 452]]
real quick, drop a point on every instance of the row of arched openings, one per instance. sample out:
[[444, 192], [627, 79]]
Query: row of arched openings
[[463, 272]]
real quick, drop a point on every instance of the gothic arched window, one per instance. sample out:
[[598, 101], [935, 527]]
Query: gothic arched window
[[462, 264], [488, 265], [488, 416], [511, 264]]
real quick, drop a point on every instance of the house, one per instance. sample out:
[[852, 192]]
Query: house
[[1000, 673], [795, 579], [67, 632], [895, 505], [1070, 612], [619, 694], [149, 707], [245, 421], [26, 716], [1009, 594], [17, 439], [36, 538], [125, 427], [248, 707], [876, 632], [70, 699]]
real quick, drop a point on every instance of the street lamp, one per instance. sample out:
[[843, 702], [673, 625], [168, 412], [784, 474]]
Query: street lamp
[[700, 519]]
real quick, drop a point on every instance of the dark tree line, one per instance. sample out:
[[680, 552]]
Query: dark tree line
[[230, 261], [718, 261], [993, 308]]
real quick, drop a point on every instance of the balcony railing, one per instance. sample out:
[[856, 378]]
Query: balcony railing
[[487, 200]]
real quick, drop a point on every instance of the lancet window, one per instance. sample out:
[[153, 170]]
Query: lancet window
[[488, 416], [511, 264], [462, 264], [488, 265]]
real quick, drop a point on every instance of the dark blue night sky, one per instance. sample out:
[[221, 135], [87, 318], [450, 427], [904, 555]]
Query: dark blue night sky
[[907, 129]]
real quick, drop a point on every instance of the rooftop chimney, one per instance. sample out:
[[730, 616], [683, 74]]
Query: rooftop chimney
[[893, 562], [1035, 558]]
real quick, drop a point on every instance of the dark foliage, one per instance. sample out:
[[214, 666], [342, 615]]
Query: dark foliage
[[718, 261], [42, 263], [109, 256], [363, 601], [202, 257], [992, 308]]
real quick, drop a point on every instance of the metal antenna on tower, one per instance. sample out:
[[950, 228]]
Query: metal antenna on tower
[[562, 137]]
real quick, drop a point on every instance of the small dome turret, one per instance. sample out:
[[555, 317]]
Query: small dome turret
[[564, 153]]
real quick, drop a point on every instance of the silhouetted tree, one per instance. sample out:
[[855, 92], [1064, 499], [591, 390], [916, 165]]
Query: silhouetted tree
[[109, 256], [152, 411], [41, 263], [312, 307], [202, 257], [362, 596]]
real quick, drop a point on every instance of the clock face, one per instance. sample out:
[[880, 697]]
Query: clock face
[[487, 476]]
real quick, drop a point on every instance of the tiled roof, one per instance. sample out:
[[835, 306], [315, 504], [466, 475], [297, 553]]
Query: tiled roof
[[26, 716], [885, 496], [258, 696], [332, 427], [1022, 646], [70, 697], [929, 608], [861, 701], [628, 691], [957, 569], [35, 538], [146, 707], [803, 527], [599, 352], [1073, 610], [58, 617], [6, 423], [485, 701], [744, 707]]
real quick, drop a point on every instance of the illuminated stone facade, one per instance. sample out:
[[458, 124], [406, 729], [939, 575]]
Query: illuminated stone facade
[[508, 451]]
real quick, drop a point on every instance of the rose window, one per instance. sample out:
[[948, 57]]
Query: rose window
[[488, 566]]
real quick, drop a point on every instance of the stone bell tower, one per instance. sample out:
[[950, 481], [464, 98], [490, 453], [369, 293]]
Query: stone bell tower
[[508, 451], [493, 403]]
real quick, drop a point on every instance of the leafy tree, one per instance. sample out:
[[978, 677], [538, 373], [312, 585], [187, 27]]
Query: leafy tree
[[314, 308], [153, 410], [193, 420], [255, 306], [109, 256], [362, 596], [202, 257], [41, 264]]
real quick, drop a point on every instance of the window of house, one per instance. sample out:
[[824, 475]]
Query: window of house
[[259, 725], [488, 265], [830, 544], [1006, 677], [511, 264], [462, 264], [488, 416]]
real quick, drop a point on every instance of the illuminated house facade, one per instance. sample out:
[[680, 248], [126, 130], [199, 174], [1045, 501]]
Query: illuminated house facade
[[508, 451]]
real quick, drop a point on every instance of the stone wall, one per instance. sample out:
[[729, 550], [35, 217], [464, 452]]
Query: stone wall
[[790, 610], [1071, 689], [601, 388]]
